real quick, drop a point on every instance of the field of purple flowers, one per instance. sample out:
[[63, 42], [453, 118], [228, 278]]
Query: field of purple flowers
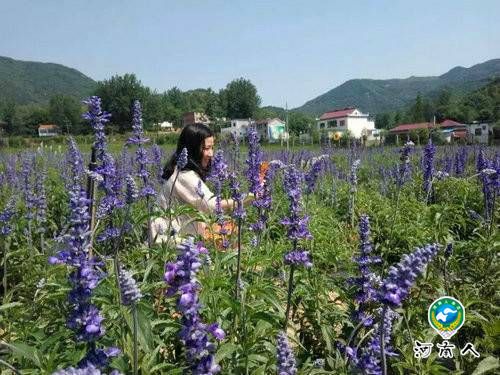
[[332, 271]]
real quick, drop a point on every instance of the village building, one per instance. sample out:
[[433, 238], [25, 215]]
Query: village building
[[190, 118], [271, 130], [48, 130], [479, 132], [164, 126], [450, 130], [236, 126], [335, 123]]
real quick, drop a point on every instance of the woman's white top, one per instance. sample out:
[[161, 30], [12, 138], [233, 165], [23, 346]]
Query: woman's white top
[[189, 189]]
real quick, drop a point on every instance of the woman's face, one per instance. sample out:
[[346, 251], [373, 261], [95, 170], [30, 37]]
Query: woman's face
[[207, 151]]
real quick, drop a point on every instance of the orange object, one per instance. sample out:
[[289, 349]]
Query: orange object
[[264, 166], [212, 233]]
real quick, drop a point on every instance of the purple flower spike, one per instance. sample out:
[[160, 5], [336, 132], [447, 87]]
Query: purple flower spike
[[86, 322], [404, 167], [428, 168], [141, 154], [253, 161], [97, 118], [182, 159], [396, 287], [239, 212], [99, 358], [130, 293], [181, 279], [298, 258], [6, 217], [368, 283], [297, 224], [284, 356], [132, 192], [312, 175], [368, 361]]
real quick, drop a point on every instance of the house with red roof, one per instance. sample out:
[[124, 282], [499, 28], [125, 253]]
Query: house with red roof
[[451, 130], [351, 119]]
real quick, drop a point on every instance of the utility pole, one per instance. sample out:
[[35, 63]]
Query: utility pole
[[286, 128]]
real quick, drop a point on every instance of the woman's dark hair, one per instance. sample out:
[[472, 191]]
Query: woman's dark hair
[[192, 138]]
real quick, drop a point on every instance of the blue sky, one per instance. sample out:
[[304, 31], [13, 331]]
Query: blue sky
[[291, 50]]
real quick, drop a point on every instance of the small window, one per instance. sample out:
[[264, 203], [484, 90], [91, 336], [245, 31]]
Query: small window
[[332, 124], [342, 123], [322, 125], [478, 131]]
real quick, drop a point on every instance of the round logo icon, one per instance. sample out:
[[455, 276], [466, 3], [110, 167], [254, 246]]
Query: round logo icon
[[446, 315]]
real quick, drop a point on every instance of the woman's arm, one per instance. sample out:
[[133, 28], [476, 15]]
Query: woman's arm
[[195, 192], [229, 204]]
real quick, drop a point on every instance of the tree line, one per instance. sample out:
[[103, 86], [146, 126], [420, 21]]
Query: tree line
[[239, 99], [480, 105]]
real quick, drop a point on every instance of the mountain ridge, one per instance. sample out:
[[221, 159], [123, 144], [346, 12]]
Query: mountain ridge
[[383, 95], [27, 82]]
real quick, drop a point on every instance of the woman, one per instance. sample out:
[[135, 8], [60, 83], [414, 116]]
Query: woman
[[188, 185]]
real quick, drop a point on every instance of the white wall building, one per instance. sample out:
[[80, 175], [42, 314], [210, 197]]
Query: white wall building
[[479, 132], [351, 119], [165, 126], [48, 130], [271, 130], [237, 126]]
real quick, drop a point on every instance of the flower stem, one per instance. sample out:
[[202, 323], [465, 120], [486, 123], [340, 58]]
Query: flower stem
[[4, 279], [116, 249], [42, 249], [492, 212], [289, 296], [382, 342], [150, 233], [353, 333], [238, 264], [134, 329], [30, 240], [445, 277]]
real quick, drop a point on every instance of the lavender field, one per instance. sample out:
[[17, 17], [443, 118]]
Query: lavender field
[[332, 271]]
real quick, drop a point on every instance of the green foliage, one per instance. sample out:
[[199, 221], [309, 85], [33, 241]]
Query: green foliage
[[240, 99], [480, 105], [300, 123], [27, 82], [66, 112], [269, 112], [35, 339], [118, 94]]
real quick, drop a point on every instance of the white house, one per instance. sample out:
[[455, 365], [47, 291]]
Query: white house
[[271, 129], [341, 120], [165, 126], [479, 132], [237, 126], [48, 130]]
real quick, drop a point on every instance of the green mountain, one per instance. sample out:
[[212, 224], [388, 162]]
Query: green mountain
[[27, 82], [376, 96]]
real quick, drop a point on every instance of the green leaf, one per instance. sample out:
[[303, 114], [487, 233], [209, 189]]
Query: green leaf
[[22, 350], [486, 365], [9, 305], [144, 333], [225, 351]]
